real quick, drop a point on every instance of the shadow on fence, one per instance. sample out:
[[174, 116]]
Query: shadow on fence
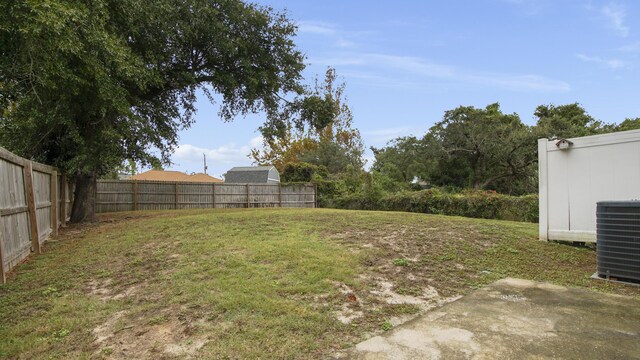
[[32, 198]]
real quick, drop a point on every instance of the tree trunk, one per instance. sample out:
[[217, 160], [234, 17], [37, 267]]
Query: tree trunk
[[84, 202]]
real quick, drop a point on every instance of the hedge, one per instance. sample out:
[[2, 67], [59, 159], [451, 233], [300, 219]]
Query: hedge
[[476, 204]]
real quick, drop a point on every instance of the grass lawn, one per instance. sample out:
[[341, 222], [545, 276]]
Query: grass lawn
[[260, 283]]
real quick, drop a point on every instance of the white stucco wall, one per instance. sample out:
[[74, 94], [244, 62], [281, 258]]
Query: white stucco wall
[[595, 168]]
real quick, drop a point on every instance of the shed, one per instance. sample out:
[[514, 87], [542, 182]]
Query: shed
[[252, 175], [576, 173]]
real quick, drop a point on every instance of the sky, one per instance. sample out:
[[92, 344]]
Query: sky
[[407, 62]]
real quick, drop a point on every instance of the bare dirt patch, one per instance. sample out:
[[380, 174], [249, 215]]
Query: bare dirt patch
[[126, 336], [105, 291], [397, 285], [378, 297]]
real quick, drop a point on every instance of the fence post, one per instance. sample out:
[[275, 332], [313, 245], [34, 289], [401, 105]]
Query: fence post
[[54, 202], [315, 196], [247, 195], [3, 278], [543, 190], [71, 194], [63, 201], [135, 195], [175, 206], [213, 195], [31, 205], [280, 194]]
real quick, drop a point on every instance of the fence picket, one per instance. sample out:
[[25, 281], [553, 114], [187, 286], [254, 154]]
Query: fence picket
[[31, 205], [135, 195], [63, 201], [3, 276], [53, 185], [176, 193]]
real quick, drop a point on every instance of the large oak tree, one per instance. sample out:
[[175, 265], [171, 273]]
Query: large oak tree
[[488, 144], [85, 85], [480, 148]]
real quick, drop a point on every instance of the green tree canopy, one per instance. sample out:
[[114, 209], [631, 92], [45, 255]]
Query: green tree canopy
[[405, 159], [86, 85], [470, 147], [485, 148], [566, 121], [489, 144], [327, 138], [628, 124], [302, 172]]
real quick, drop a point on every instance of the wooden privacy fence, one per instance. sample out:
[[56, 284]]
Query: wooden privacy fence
[[32, 198], [127, 195]]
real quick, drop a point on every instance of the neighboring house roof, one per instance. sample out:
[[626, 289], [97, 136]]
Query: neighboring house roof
[[200, 177], [252, 174], [169, 175]]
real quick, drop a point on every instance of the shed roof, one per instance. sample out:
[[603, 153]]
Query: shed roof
[[252, 174], [252, 168]]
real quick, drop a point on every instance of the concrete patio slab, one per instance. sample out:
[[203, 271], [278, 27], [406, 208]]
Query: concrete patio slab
[[516, 319]]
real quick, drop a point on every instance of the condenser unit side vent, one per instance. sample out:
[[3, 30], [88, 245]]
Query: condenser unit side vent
[[618, 240]]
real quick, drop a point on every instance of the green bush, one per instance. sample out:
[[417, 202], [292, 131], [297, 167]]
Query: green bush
[[302, 172], [469, 203]]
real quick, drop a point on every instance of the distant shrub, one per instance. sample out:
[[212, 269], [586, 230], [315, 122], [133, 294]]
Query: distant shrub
[[302, 172], [469, 203]]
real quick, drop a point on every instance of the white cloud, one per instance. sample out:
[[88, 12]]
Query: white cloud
[[339, 37], [344, 43], [383, 81], [414, 68], [226, 154], [417, 66], [382, 136], [613, 64], [189, 157], [527, 82], [256, 142], [369, 159], [338, 60], [615, 14], [316, 27], [411, 64]]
